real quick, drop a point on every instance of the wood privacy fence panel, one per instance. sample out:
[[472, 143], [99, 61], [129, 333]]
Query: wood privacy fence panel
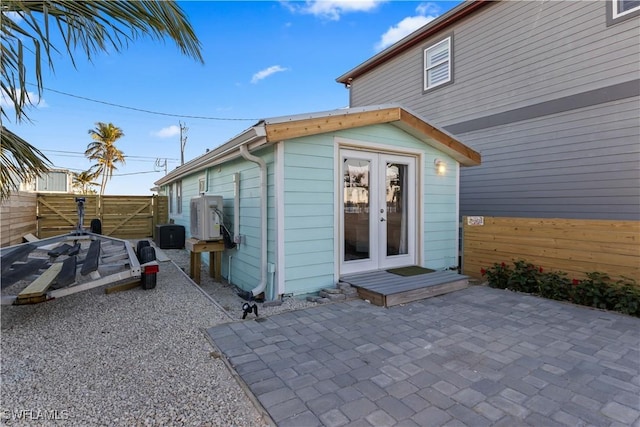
[[575, 246], [125, 217], [17, 218], [58, 213], [161, 210]]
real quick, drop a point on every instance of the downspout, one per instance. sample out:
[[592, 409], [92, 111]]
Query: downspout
[[244, 151]]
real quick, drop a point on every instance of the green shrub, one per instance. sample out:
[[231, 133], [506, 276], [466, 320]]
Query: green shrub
[[555, 285], [525, 277], [498, 275], [597, 290]]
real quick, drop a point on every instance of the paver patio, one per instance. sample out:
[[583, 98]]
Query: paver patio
[[476, 357]]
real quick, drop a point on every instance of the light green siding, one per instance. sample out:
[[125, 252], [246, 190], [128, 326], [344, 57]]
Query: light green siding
[[439, 193], [309, 214], [245, 263], [308, 207], [309, 202]]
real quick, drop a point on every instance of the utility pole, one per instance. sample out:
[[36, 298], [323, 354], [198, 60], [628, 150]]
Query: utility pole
[[183, 141]]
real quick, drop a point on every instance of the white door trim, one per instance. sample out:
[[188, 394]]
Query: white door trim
[[385, 261], [372, 262], [378, 158]]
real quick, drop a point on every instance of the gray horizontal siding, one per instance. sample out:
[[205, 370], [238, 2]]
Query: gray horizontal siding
[[540, 90], [510, 55], [580, 164]]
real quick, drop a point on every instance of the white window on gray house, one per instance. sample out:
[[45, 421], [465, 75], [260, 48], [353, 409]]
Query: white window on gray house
[[622, 10], [170, 198], [437, 64], [201, 186], [624, 7], [179, 197]]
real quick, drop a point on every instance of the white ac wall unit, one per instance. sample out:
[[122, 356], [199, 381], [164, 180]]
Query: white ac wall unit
[[206, 217]]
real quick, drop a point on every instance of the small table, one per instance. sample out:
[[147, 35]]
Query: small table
[[215, 249]]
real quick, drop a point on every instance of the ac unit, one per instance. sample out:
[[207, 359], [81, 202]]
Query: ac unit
[[206, 217]]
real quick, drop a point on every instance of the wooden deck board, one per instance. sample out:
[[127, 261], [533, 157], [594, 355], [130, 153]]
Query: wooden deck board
[[388, 283], [388, 289]]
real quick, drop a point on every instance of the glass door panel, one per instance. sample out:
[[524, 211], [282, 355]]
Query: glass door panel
[[377, 211], [396, 201], [357, 206]]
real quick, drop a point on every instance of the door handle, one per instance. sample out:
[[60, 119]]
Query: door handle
[[382, 220]]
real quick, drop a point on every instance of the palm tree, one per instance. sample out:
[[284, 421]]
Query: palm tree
[[90, 26], [84, 181], [104, 151]]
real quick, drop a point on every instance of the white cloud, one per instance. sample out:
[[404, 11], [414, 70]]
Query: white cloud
[[32, 100], [426, 12], [168, 132], [267, 72], [332, 9]]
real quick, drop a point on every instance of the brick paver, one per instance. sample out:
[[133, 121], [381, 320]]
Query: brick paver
[[478, 357]]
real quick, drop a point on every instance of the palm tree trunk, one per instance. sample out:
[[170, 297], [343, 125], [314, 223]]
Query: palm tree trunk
[[104, 182]]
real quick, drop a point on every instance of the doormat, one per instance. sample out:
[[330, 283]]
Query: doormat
[[413, 270]]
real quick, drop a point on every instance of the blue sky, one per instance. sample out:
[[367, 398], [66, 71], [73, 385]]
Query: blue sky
[[262, 59]]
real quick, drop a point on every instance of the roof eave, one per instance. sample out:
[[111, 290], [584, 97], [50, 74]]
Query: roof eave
[[295, 127], [446, 143], [437, 25]]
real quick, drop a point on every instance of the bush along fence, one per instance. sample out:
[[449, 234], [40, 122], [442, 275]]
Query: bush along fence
[[596, 290]]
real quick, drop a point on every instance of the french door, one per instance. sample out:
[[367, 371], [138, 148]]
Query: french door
[[378, 211]]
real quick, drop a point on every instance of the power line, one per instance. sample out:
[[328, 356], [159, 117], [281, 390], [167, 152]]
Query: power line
[[115, 174], [135, 173], [79, 154], [184, 116]]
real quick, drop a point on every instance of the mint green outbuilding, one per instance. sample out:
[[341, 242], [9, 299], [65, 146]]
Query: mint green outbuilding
[[315, 196]]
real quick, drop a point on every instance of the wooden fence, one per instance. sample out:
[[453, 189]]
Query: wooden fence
[[47, 215], [570, 245], [17, 218], [125, 217]]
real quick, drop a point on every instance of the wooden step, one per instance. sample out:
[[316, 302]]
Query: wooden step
[[386, 289]]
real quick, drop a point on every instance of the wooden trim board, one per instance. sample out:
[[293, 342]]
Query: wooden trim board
[[41, 284]]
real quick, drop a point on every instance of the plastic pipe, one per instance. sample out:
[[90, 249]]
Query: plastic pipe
[[236, 207], [244, 151]]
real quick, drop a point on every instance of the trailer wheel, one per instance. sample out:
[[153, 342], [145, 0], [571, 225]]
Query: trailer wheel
[[147, 254], [96, 226], [141, 244]]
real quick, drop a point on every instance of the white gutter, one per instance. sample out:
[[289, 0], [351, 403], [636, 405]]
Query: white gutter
[[244, 151]]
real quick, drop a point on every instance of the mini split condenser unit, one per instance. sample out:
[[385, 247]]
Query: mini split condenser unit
[[206, 217]]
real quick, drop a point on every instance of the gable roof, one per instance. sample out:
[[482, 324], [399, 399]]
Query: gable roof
[[277, 129], [440, 23]]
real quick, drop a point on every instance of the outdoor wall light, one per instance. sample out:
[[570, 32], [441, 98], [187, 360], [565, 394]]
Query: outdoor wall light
[[441, 166]]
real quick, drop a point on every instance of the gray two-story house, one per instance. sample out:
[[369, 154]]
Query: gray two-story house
[[547, 91]]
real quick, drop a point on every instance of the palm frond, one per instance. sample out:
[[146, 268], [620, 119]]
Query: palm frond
[[21, 162], [89, 26]]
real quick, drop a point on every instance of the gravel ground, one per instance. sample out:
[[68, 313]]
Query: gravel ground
[[226, 295], [125, 359]]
